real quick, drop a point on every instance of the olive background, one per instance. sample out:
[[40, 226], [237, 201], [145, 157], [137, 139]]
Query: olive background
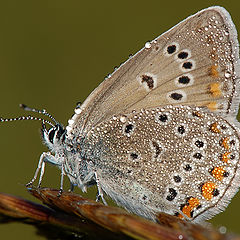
[[52, 55]]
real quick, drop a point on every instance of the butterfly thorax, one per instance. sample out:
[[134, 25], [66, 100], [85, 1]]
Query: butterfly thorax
[[77, 155]]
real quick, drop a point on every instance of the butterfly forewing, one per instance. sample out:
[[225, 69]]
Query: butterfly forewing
[[194, 63]]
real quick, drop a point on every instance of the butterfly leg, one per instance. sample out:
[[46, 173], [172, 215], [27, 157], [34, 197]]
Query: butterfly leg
[[45, 157], [71, 187], [61, 182], [83, 184], [100, 191]]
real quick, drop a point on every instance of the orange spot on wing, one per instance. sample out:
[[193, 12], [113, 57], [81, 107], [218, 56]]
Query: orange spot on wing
[[214, 72], [187, 210], [215, 128], [218, 172], [226, 157], [212, 106], [215, 90], [207, 190], [191, 204], [225, 142]]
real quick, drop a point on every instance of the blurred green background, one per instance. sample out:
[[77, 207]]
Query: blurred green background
[[53, 54]]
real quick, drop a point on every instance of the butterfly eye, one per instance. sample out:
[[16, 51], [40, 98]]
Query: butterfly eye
[[51, 134]]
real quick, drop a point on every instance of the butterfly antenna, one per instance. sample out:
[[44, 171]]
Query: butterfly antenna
[[43, 111], [25, 118]]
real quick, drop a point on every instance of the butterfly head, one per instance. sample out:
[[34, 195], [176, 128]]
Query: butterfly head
[[53, 137]]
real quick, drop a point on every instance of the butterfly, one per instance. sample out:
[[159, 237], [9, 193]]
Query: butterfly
[[160, 133]]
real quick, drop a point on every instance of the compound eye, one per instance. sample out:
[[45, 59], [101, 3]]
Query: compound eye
[[51, 134]]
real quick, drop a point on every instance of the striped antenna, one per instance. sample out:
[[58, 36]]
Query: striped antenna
[[25, 118], [44, 112]]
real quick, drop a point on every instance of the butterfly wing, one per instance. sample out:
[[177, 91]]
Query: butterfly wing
[[174, 159], [194, 63]]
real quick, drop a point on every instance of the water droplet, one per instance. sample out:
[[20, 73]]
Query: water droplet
[[227, 74], [123, 119], [222, 229], [147, 45]]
